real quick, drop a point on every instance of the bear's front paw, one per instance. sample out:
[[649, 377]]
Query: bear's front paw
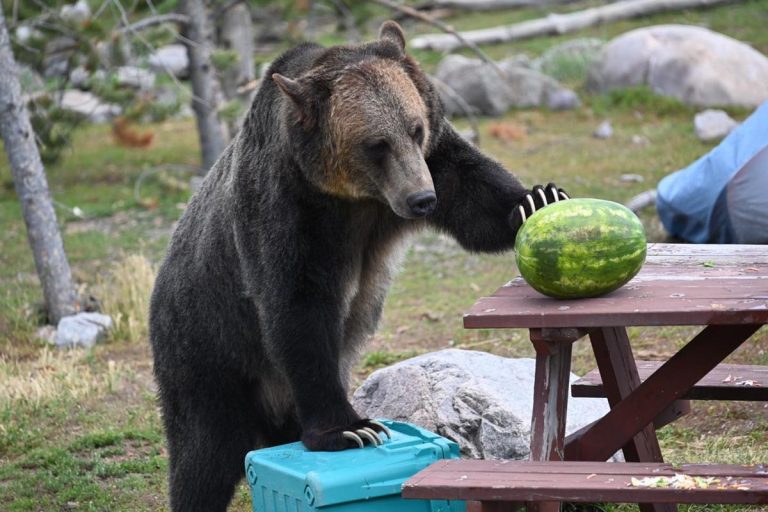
[[535, 200], [349, 436]]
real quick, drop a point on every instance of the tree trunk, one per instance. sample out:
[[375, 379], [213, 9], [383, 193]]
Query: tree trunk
[[559, 23], [32, 188], [236, 34], [206, 91]]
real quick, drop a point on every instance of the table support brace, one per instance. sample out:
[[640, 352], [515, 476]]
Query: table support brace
[[670, 382]]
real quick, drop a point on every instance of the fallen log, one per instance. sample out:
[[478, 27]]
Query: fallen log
[[559, 23], [491, 5]]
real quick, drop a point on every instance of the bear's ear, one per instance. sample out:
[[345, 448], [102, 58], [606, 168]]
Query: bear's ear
[[391, 31], [291, 88]]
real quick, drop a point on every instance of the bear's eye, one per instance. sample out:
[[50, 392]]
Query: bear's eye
[[377, 149], [417, 134]]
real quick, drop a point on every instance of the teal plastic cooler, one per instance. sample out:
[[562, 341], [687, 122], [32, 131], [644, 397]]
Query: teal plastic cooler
[[289, 478]]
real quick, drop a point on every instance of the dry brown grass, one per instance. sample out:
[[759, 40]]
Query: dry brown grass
[[56, 374], [125, 294]]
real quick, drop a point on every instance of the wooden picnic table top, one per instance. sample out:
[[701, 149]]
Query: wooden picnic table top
[[679, 284]]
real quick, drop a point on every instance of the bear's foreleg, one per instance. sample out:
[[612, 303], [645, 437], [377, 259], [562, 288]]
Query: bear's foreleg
[[480, 203], [303, 338]]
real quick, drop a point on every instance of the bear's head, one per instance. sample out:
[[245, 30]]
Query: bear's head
[[362, 119]]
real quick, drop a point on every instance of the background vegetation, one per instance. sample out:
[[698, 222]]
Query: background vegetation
[[81, 431]]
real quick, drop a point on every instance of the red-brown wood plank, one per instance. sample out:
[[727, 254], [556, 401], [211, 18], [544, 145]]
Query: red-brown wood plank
[[678, 285], [583, 482], [637, 469], [616, 364], [724, 382], [668, 383], [532, 310]]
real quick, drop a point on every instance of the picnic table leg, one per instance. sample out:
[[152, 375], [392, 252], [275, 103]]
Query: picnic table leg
[[550, 403], [667, 384], [493, 506], [618, 371]]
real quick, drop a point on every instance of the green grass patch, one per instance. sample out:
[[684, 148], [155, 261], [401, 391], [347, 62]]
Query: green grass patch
[[83, 432]]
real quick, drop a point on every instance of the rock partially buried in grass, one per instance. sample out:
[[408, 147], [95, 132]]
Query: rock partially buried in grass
[[82, 330], [580, 248]]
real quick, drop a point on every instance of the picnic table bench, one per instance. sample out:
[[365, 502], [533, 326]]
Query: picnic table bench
[[517, 482], [723, 288]]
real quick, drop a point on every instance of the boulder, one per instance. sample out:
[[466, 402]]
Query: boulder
[[82, 330], [693, 64], [170, 58], [569, 60], [486, 92], [56, 56], [76, 13], [563, 99], [603, 131], [88, 105], [713, 124], [79, 77], [481, 401], [138, 78]]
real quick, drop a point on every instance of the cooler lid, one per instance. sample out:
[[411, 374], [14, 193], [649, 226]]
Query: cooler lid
[[329, 478]]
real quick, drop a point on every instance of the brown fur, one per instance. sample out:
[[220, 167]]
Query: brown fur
[[379, 90]]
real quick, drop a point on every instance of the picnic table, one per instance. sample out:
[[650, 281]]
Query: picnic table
[[723, 288]]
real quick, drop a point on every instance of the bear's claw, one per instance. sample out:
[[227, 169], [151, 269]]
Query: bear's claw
[[383, 428], [367, 433], [353, 437], [371, 434]]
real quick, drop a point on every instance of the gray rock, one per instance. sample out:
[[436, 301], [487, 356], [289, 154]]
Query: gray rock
[[527, 87], [170, 58], [82, 330], [642, 200], [88, 105], [570, 60], [78, 77], [58, 51], [25, 34], [604, 130], [76, 13], [695, 65], [138, 78], [486, 91], [713, 124], [631, 178], [481, 401], [563, 99], [114, 52]]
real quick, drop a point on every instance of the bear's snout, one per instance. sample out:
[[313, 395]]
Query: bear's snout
[[422, 203]]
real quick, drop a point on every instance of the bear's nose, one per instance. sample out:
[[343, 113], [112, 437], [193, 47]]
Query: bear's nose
[[422, 203]]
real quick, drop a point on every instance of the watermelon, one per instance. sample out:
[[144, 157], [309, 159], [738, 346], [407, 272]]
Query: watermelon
[[580, 248]]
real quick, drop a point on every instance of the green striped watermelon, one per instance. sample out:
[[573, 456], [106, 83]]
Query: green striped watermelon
[[580, 248]]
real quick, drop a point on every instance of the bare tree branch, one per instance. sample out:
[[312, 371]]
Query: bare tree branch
[[490, 5], [462, 41], [560, 23], [172, 17]]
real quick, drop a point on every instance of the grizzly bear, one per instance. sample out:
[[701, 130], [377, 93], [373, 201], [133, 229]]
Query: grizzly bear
[[278, 269]]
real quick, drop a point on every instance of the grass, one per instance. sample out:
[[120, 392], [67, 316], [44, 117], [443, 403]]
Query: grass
[[81, 430]]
